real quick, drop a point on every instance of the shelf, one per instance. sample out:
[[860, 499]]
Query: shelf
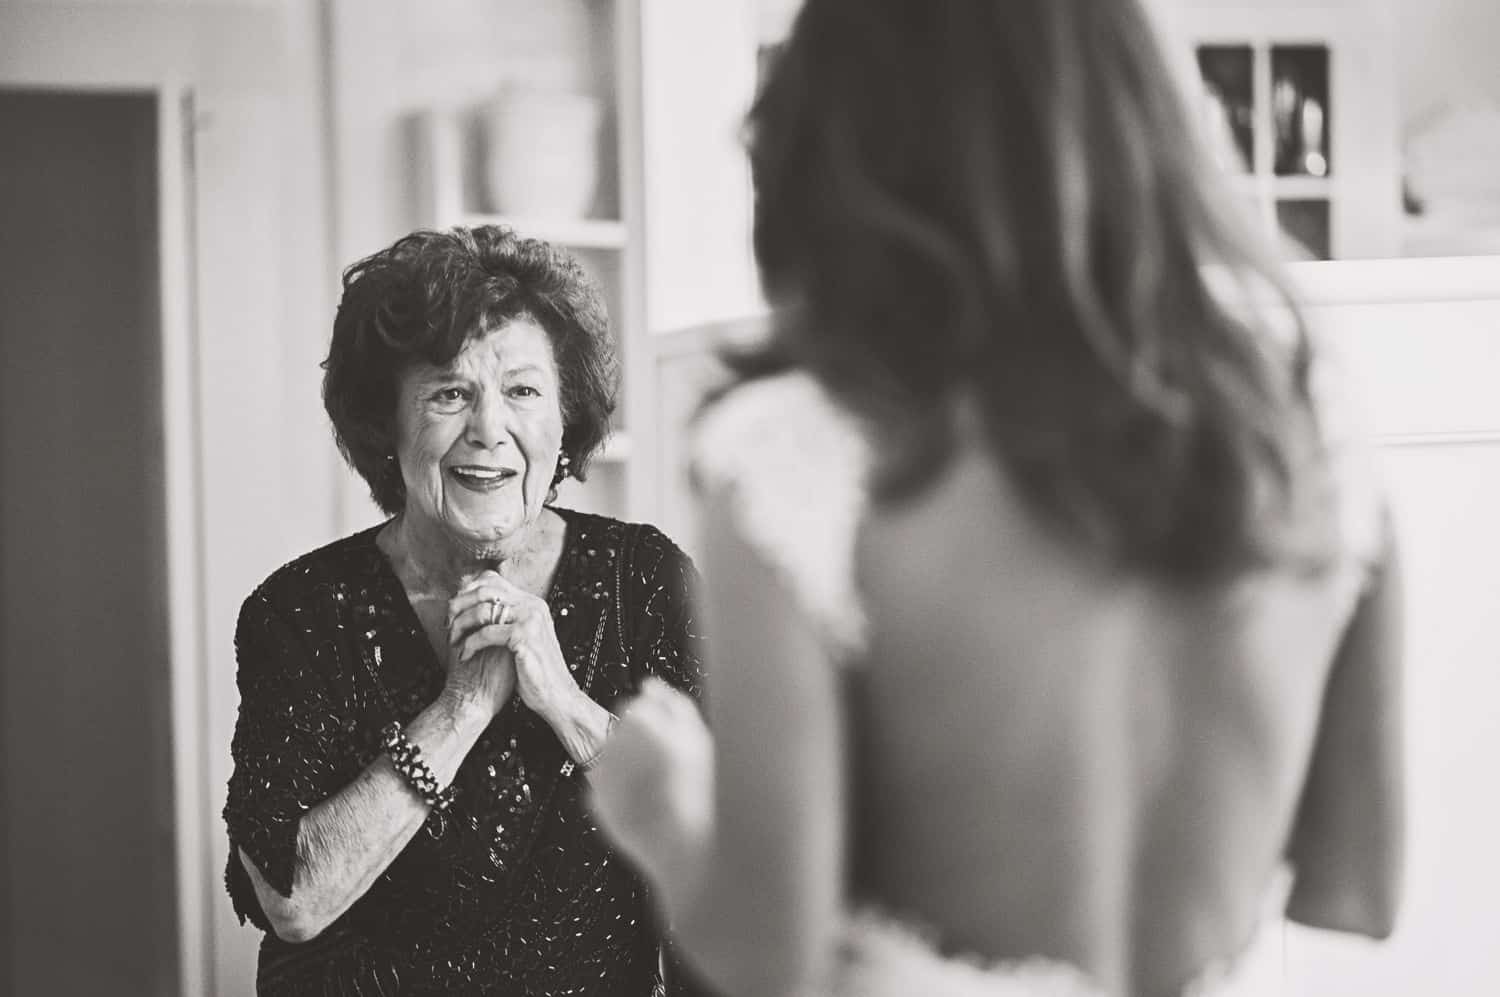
[[1283, 188], [566, 232], [1301, 188]]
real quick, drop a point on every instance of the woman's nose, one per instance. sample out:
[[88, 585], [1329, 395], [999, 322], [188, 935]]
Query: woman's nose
[[489, 421]]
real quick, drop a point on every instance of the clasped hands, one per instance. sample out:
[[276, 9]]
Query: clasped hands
[[653, 789], [501, 642]]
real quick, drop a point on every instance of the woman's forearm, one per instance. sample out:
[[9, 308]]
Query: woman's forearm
[[348, 840], [581, 725]]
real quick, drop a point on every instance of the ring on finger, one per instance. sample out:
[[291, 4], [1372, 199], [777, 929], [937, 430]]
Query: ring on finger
[[494, 616]]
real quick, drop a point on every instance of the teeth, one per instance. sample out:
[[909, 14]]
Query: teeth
[[484, 474]]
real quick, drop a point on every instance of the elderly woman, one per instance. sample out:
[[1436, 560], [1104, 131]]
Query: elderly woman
[[421, 702]]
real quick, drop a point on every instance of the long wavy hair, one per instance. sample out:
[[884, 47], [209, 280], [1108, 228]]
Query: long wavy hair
[[1006, 199]]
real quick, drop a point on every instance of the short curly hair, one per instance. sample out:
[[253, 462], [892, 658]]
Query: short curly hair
[[429, 294]]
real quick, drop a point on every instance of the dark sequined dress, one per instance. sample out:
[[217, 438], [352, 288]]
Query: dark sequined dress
[[513, 890]]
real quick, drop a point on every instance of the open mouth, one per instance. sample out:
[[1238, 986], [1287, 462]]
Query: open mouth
[[482, 479]]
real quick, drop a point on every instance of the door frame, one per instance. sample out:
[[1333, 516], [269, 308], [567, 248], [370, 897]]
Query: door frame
[[187, 599], [20, 25]]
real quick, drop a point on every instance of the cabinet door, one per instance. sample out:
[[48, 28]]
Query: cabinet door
[[1425, 370], [1347, 207]]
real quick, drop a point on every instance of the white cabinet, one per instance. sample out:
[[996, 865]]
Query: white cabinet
[[1299, 104]]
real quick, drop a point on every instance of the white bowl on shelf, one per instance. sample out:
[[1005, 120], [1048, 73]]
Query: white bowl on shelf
[[542, 153]]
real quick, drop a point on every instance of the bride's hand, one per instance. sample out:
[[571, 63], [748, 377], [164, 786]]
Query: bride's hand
[[652, 789]]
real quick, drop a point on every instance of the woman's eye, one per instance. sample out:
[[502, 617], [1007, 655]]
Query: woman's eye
[[525, 391], [450, 396]]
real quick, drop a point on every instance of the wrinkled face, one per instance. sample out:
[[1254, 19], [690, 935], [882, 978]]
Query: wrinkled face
[[478, 440]]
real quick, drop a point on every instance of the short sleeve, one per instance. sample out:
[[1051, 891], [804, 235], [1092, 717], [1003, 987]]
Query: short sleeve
[[289, 752], [790, 464], [1362, 512], [661, 594]]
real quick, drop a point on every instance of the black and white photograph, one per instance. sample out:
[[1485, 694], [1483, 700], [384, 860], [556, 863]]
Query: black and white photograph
[[749, 498]]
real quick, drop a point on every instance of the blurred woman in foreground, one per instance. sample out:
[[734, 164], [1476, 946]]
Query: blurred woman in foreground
[[1054, 600]]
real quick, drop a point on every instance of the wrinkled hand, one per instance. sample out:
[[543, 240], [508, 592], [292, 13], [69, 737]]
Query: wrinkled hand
[[493, 612], [480, 674], [652, 789]]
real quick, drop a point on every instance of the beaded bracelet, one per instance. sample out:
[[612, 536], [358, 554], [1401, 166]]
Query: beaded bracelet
[[406, 759]]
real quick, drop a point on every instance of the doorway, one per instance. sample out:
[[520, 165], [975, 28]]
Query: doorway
[[87, 861]]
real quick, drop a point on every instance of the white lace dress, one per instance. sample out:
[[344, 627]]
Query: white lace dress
[[788, 429]]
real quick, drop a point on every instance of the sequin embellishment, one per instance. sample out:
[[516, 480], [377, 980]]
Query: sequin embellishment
[[513, 890]]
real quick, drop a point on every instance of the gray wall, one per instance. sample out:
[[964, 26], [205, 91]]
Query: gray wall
[[85, 765]]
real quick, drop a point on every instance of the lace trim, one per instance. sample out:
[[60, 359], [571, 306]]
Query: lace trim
[[1250, 972], [792, 465], [1360, 490], [884, 956], [880, 956]]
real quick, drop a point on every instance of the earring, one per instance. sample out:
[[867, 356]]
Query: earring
[[564, 468]]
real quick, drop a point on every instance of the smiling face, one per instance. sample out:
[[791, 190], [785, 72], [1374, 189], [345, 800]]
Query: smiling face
[[478, 440]]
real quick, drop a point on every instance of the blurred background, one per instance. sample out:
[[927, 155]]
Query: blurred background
[[181, 182]]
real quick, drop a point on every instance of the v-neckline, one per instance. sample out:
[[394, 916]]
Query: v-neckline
[[417, 630]]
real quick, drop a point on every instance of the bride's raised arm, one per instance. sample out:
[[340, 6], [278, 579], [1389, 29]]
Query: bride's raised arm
[[752, 885]]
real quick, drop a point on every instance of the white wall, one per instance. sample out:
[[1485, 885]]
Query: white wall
[[699, 266], [1446, 55]]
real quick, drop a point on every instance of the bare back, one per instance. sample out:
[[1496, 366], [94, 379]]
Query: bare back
[[1055, 759], [1045, 757]]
